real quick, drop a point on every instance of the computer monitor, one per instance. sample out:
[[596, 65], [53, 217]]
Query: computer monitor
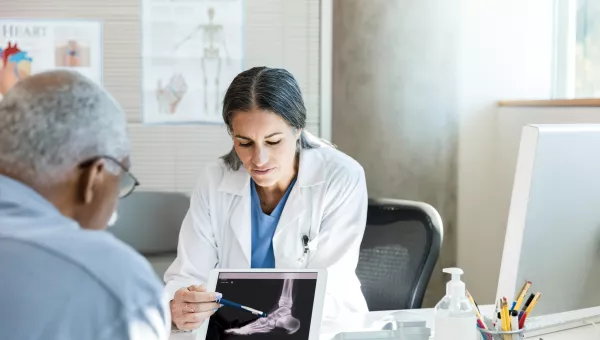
[[553, 230]]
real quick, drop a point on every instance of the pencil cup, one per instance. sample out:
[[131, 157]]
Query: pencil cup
[[484, 334]]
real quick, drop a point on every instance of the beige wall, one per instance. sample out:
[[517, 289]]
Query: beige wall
[[279, 33], [394, 104], [415, 81]]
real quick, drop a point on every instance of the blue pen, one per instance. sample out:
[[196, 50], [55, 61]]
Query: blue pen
[[237, 305]]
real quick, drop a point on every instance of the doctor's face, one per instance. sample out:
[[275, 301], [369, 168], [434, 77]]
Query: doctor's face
[[266, 145]]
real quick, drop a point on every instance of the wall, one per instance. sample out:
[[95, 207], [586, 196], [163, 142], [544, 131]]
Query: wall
[[394, 103], [505, 52], [279, 33], [412, 76]]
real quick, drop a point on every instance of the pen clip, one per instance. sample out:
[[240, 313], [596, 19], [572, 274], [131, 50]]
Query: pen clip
[[305, 248], [305, 242]]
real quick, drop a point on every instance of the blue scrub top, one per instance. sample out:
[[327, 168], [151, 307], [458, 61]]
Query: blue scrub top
[[263, 229]]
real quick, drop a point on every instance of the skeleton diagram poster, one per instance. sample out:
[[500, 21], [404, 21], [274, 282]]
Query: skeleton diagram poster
[[29, 46], [191, 51]]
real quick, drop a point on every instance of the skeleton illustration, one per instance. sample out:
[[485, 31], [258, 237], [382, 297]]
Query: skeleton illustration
[[280, 318], [213, 37]]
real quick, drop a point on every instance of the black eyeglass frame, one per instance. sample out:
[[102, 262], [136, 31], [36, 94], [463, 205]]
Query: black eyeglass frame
[[126, 172]]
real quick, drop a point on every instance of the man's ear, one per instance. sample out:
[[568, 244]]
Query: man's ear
[[91, 178]]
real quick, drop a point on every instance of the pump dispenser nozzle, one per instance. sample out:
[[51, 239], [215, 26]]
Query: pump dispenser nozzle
[[455, 287], [456, 273]]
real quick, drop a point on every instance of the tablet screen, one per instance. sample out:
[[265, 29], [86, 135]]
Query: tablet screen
[[287, 299]]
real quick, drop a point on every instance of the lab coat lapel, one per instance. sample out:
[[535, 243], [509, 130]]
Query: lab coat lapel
[[237, 183], [294, 208], [310, 172]]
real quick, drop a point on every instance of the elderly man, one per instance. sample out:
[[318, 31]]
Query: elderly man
[[63, 165]]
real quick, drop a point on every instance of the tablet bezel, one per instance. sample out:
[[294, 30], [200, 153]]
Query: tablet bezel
[[318, 302]]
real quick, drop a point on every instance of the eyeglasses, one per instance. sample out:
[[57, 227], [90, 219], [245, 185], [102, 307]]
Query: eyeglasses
[[127, 181]]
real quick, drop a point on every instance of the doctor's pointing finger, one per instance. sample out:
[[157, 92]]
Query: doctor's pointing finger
[[281, 198], [191, 306]]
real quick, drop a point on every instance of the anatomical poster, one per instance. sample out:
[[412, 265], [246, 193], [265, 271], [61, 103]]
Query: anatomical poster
[[29, 46], [191, 51]]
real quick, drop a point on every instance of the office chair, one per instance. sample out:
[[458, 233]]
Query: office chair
[[150, 222], [399, 250]]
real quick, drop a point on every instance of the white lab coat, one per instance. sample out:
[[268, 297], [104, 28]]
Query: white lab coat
[[328, 203]]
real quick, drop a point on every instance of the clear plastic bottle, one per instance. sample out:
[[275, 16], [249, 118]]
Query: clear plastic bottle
[[455, 317]]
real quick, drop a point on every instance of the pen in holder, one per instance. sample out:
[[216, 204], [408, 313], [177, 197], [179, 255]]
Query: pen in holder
[[508, 324], [509, 319], [484, 334], [499, 332]]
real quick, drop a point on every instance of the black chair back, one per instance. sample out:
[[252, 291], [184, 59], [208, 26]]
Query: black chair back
[[399, 250]]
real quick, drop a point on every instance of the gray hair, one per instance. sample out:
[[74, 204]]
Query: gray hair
[[53, 121], [270, 89]]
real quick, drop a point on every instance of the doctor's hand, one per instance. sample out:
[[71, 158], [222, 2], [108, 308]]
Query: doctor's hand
[[191, 306]]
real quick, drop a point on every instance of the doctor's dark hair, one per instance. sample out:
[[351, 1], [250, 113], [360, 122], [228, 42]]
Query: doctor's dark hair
[[269, 89]]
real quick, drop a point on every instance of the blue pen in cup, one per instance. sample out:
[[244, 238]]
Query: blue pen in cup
[[228, 303]]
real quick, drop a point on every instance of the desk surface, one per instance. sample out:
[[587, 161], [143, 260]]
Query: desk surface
[[357, 322], [562, 323]]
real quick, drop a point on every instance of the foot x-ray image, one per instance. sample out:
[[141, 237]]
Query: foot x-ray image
[[287, 300]]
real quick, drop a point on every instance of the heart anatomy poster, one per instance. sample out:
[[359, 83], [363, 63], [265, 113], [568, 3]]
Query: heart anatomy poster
[[29, 46], [191, 51]]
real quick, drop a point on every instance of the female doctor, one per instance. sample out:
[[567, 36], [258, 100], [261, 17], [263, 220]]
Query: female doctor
[[280, 198]]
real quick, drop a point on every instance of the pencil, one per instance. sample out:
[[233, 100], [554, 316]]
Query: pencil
[[505, 317], [521, 295], [479, 317], [529, 309], [532, 304], [527, 303]]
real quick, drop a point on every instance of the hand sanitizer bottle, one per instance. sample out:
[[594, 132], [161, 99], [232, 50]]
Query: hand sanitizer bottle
[[455, 317]]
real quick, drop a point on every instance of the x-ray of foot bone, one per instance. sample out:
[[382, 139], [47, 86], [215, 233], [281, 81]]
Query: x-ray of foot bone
[[280, 318]]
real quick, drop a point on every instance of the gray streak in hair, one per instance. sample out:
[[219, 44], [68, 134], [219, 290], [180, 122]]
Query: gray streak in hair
[[269, 89]]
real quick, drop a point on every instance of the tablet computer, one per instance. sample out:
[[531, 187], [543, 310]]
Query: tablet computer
[[291, 300]]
